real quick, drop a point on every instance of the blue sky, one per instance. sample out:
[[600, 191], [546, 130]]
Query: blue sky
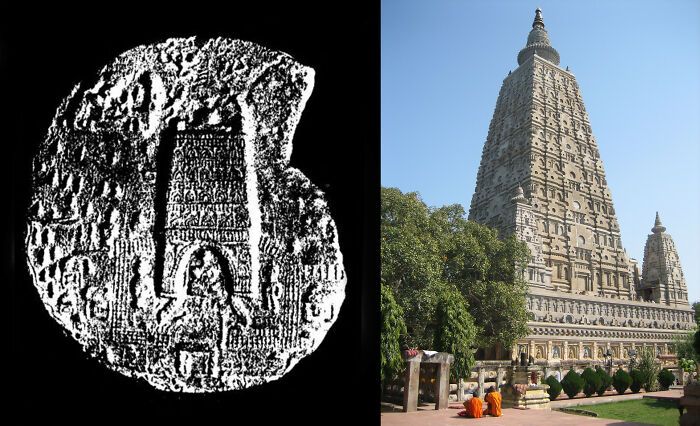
[[637, 64]]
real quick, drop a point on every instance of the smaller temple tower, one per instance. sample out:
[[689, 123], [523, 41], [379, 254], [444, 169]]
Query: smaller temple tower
[[662, 277]]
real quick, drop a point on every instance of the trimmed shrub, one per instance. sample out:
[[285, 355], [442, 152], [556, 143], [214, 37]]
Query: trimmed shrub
[[591, 383], [605, 380], [572, 383], [621, 381], [666, 379], [637, 381], [554, 387]]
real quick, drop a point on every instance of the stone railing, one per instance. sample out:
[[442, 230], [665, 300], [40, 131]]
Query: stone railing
[[485, 374]]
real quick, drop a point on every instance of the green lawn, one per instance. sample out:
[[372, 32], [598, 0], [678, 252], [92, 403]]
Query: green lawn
[[647, 410]]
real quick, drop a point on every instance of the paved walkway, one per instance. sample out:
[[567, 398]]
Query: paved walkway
[[511, 416], [427, 416]]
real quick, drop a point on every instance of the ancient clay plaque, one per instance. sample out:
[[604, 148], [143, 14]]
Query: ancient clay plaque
[[167, 232]]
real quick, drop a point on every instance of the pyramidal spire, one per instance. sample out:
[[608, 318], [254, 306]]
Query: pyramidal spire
[[658, 227], [538, 42]]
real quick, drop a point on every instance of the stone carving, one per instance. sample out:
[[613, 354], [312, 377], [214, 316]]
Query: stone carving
[[586, 352], [167, 233], [541, 178]]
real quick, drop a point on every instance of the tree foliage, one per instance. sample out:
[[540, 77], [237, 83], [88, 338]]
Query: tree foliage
[[685, 346], [621, 381], [455, 331], [649, 368], [687, 365], [393, 328], [425, 250], [572, 383]]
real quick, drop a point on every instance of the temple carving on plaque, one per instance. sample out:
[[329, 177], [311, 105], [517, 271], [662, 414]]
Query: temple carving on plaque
[[168, 232]]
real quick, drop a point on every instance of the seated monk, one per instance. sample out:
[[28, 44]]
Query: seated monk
[[493, 398], [473, 407]]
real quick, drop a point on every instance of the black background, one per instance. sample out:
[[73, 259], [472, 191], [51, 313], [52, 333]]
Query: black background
[[336, 145]]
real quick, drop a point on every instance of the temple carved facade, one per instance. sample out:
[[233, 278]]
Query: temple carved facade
[[541, 178]]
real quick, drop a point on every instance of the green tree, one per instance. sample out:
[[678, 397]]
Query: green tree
[[393, 328], [649, 369], [684, 346], [425, 249], [411, 261], [455, 331], [696, 308]]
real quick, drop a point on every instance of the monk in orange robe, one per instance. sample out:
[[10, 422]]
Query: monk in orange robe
[[474, 407], [493, 398]]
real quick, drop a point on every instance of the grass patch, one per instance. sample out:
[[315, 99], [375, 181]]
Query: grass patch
[[646, 410]]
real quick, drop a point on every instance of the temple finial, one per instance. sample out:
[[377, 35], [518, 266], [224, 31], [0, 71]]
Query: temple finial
[[538, 43], [658, 227], [538, 22]]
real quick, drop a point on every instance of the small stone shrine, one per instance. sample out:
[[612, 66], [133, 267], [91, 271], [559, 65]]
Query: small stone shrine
[[523, 389], [413, 359]]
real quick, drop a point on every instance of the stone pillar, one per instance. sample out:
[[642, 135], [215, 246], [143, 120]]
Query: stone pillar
[[594, 355], [499, 377], [622, 348], [580, 350], [532, 350], [565, 355], [549, 350], [410, 387], [442, 386], [480, 389], [460, 390]]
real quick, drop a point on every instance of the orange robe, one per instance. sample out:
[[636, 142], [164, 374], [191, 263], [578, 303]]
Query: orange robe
[[474, 407], [494, 400]]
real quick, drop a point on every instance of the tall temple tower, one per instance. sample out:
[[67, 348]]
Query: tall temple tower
[[541, 177], [662, 276]]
